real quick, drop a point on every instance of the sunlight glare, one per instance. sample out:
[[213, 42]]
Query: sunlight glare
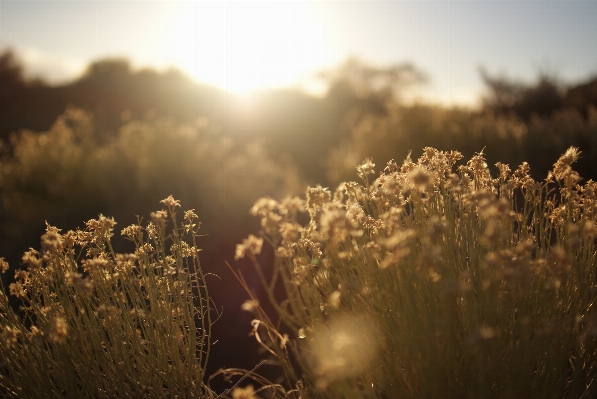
[[245, 46]]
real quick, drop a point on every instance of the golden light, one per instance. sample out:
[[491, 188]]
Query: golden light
[[244, 46]]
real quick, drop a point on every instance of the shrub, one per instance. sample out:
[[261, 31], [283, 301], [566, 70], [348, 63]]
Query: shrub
[[101, 324], [75, 171], [502, 138], [434, 280]]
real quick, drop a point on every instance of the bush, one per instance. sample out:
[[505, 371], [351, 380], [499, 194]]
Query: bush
[[434, 281], [501, 137], [98, 323], [76, 170]]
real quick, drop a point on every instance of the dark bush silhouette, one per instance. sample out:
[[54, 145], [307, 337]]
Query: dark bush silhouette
[[509, 97], [582, 97]]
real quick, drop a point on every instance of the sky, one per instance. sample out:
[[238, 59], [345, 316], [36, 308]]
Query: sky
[[243, 46]]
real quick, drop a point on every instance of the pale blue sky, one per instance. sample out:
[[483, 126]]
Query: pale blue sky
[[245, 45]]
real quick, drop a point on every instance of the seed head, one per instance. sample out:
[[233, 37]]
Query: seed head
[[51, 240], [250, 305], [250, 246], [420, 179], [58, 330], [9, 336], [562, 169], [159, 217], [170, 202], [317, 197], [365, 169], [3, 266], [244, 393]]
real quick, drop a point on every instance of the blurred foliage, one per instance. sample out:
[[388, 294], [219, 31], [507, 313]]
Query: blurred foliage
[[509, 97], [504, 137], [71, 172]]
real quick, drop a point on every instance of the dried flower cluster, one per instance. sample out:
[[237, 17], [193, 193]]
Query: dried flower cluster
[[113, 325], [437, 279]]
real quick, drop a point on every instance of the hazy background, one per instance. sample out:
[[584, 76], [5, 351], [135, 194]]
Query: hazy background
[[110, 106], [242, 46]]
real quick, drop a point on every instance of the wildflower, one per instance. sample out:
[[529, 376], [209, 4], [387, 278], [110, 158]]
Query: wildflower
[[51, 240], [264, 206], [317, 197], [420, 179], [22, 275], [562, 169], [131, 258], [100, 263], [284, 252], [270, 222], [291, 206], [152, 231], [69, 239], [9, 336], [170, 202], [356, 215], [35, 334], [190, 215], [145, 249], [102, 227], [189, 218], [504, 171], [244, 393], [334, 299], [250, 246], [522, 176], [31, 259], [17, 289], [159, 217], [250, 305], [131, 231], [365, 169], [290, 231], [3, 265], [80, 283], [335, 225], [58, 330]]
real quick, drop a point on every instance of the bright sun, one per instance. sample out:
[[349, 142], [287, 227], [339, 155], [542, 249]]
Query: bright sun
[[244, 46]]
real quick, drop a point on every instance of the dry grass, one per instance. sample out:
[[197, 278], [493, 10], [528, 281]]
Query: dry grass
[[430, 280], [101, 324], [435, 280]]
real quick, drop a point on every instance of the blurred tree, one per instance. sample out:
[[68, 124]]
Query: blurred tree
[[371, 88], [506, 96], [582, 97], [11, 73], [108, 88], [110, 68]]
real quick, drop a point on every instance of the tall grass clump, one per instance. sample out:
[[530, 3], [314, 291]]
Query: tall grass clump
[[95, 323], [434, 280]]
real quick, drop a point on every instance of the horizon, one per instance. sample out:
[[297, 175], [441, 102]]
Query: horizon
[[244, 47]]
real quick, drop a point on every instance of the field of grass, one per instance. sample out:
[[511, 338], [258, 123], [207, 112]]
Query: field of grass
[[430, 279]]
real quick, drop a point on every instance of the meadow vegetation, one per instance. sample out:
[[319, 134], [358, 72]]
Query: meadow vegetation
[[433, 277], [434, 280], [96, 323]]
